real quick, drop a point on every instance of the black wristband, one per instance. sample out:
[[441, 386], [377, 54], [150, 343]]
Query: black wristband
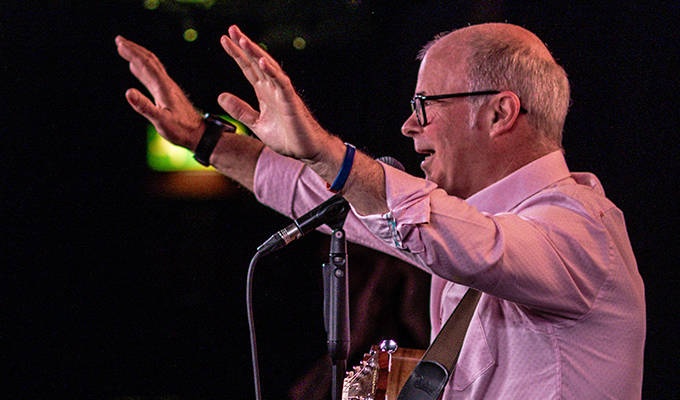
[[214, 126]]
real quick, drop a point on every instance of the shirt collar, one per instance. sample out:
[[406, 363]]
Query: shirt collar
[[508, 192]]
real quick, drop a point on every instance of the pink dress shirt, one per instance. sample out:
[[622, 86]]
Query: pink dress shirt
[[562, 314]]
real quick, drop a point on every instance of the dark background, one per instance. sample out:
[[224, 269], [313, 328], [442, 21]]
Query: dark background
[[112, 289]]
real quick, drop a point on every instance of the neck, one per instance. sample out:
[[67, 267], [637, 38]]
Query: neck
[[504, 163]]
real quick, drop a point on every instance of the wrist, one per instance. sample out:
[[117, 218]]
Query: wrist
[[196, 138], [327, 161], [345, 168], [330, 160], [213, 127]]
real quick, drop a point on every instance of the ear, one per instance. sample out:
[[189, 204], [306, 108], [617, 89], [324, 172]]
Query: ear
[[505, 107]]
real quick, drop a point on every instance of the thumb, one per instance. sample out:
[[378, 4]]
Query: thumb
[[238, 109], [142, 104]]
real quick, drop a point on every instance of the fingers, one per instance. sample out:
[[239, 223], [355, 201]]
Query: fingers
[[251, 48], [238, 109], [128, 49], [247, 64], [144, 65], [142, 104], [257, 65], [272, 70], [248, 55]]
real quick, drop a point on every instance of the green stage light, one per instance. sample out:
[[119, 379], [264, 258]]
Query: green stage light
[[151, 4], [164, 156], [204, 3], [299, 43], [190, 35]]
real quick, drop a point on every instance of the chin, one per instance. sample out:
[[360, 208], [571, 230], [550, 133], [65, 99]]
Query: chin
[[438, 182]]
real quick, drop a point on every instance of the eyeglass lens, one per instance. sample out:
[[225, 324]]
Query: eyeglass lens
[[417, 107]]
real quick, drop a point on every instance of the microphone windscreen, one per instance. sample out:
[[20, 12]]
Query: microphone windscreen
[[392, 162]]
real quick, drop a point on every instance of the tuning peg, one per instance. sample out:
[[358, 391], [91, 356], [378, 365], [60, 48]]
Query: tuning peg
[[389, 346]]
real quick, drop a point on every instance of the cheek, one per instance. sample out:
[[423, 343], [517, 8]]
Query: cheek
[[448, 152], [458, 149], [456, 141]]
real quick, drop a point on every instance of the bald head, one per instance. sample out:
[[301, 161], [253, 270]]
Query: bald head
[[471, 35], [503, 56]]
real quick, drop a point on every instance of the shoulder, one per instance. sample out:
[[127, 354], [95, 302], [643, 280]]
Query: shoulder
[[579, 195]]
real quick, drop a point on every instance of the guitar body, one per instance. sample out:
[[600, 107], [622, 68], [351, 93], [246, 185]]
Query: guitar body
[[404, 362], [381, 374]]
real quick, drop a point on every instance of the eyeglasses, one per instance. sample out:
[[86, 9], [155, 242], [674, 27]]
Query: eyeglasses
[[418, 102]]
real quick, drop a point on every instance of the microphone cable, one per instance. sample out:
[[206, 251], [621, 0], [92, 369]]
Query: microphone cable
[[251, 325]]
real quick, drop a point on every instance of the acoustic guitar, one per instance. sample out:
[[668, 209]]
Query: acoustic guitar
[[382, 372]]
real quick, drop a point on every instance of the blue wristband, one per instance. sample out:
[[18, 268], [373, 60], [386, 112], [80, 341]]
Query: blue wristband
[[347, 162]]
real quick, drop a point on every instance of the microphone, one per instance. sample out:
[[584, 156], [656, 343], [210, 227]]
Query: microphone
[[392, 162], [321, 214], [332, 210]]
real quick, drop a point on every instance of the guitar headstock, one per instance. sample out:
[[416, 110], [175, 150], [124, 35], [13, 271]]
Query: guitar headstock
[[368, 380]]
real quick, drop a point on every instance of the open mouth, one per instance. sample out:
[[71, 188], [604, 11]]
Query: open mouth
[[427, 152], [425, 163]]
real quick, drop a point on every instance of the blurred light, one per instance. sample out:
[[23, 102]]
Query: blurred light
[[264, 46], [205, 3], [299, 43], [151, 4], [163, 156], [190, 35]]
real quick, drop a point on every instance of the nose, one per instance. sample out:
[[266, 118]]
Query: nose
[[411, 126]]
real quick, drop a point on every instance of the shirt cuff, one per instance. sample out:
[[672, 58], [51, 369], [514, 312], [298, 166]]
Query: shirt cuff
[[408, 203]]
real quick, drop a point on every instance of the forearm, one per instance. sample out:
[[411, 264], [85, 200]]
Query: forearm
[[236, 157], [291, 188], [365, 185]]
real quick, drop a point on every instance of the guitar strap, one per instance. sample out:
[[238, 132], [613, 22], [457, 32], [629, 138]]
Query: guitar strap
[[434, 370]]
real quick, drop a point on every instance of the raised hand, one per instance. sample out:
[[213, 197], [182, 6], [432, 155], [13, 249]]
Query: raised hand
[[171, 112], [283, 122]]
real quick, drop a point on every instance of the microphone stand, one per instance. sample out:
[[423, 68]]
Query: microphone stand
[[336, 305]]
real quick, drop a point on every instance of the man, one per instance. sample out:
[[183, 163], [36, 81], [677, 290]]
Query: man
[[562, 311]]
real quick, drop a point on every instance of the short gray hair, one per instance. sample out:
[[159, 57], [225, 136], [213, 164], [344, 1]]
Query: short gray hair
[[497, 62]]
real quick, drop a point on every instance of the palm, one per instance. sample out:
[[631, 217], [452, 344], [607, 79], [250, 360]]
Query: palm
[[283, 123], [171, 112]]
